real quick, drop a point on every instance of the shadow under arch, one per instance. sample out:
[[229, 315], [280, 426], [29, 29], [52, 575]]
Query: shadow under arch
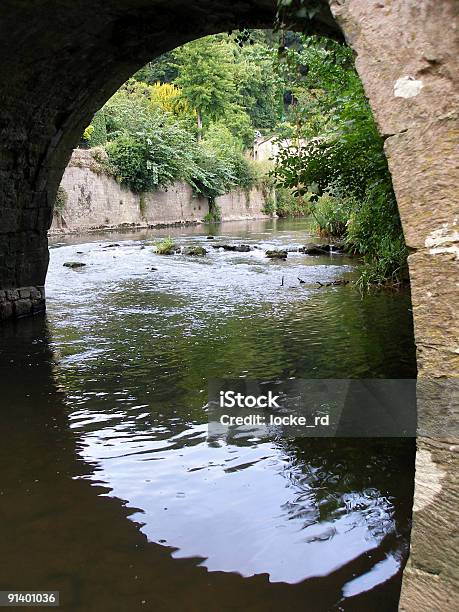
[[62, 528]]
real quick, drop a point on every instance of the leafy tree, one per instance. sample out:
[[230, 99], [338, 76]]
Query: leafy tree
[[260, 86], [206, 77], [343, 159], [160, 70], [169, 98]]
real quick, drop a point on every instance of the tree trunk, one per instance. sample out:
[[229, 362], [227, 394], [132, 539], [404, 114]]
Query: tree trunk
[[199, 124]]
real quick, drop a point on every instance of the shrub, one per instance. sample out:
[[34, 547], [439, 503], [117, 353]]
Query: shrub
[[331, 214], [61, 200], [290, 205], [166, 246], [374, 231], [153, 157], [98, 135]]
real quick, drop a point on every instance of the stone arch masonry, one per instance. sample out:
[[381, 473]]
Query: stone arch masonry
[[62, 59]]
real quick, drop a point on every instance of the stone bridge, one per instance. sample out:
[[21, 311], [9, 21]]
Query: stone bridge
[[62, 59]]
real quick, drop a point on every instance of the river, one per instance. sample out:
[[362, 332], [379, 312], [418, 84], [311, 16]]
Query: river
[[111, 492]]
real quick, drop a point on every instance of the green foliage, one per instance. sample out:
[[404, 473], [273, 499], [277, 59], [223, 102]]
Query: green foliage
[[87, 133], [270, 205], [331, 214], [341, 159], [99, 133], [260, 86], [289, 205], [220, 142], [61, 200], [209, 176], [206, 77], [374, 231], [128, 110], [162, 69], [166, 246], [214, 215], [150, 158], [150, 150]]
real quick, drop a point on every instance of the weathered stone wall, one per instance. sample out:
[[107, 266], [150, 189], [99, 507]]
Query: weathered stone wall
[[22, 302], [93, 199], [240, 204], [408, 59]]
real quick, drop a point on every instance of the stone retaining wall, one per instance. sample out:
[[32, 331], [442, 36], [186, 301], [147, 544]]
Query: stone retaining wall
[[89, 199]]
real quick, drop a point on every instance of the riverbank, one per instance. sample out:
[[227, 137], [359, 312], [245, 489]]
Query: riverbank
[[91, 199]]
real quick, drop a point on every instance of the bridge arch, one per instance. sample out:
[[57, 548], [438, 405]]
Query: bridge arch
[[61, 60]]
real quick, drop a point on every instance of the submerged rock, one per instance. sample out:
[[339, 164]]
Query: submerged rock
[[335, 283], [210, 237], [74, 264], [276, 254], [320, 249], [197, 251], [238, 248], [111, 246]]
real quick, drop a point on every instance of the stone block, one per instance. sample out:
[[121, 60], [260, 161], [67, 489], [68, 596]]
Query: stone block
[[12, 294], [38, 306], [6, 310], [22, 308], [36, 294], [24, 292]]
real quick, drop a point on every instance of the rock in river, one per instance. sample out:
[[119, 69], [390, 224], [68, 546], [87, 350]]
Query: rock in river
[[238, 248], [275, 254], [320, 249], [198, 251], [74, 264]]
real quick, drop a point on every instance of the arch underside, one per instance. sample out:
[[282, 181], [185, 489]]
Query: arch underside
[[62, 59]]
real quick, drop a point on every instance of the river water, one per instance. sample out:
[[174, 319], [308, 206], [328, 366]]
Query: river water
[[111, 492]]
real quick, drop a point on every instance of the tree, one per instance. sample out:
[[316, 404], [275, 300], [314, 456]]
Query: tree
[[343, 159], [261, 88], [162, 70], [206, 77], [169, 98]]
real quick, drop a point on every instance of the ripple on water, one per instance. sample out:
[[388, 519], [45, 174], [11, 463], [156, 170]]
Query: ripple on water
[[137, 347]]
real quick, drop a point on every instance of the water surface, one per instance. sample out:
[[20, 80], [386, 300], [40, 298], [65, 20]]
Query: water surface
[[112, 493]]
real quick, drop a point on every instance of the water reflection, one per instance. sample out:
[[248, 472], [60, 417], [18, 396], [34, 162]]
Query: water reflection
[[105, 421]]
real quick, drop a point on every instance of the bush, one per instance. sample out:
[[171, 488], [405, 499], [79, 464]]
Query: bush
[[374, 231], [153, 157], [221, 143], [331, 214], [166, 246], [290, 205], [98, 135]]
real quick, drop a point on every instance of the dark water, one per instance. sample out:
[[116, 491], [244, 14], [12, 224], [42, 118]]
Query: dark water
[[110, 492]]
